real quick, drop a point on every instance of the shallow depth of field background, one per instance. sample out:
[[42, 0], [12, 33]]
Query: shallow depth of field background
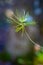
[[35, 7]]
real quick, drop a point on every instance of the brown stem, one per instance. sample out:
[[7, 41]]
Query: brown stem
[[29, 38]]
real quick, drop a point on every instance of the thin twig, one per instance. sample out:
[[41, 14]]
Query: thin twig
[[29, 38]]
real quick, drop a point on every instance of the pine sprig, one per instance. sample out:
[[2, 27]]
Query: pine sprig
[[21, 22]]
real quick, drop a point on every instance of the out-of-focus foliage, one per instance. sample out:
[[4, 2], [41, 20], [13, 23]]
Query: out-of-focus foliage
[[38, 59]]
